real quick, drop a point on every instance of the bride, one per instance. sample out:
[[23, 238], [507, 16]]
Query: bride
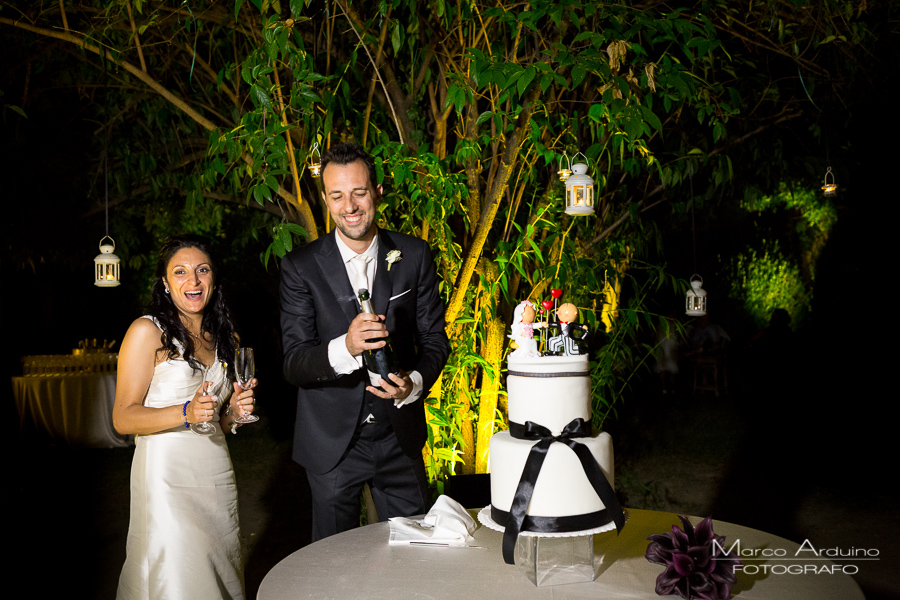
[[183, 536]]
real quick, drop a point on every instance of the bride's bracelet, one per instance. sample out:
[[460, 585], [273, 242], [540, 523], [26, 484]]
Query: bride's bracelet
[[234, 425], [184, 414]]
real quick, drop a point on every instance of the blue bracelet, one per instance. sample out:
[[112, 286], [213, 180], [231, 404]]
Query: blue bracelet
[[184, 414]]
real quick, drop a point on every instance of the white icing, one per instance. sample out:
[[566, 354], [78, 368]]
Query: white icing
[[549, 401], [562, 488]]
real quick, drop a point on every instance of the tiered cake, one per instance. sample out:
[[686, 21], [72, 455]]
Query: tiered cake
[[552, 392]]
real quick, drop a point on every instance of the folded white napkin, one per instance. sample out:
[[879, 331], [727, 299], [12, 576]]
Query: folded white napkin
[[446, 524]]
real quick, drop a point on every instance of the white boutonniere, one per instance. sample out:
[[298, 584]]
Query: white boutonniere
[[392, 257]]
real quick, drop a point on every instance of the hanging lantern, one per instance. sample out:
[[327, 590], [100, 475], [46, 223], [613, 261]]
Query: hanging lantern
[[106, 265], [313, 162], [830, 189], [564, 172], [579, 190], [695, 298]]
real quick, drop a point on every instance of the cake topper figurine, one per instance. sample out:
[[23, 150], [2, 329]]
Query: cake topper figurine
[[523, 330], [571, 335]]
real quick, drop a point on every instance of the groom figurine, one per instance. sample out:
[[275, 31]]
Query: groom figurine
[[349, 432]]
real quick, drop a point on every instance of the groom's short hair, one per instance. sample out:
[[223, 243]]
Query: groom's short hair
[[347, 153]]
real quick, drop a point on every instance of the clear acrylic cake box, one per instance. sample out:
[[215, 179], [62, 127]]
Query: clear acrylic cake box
[[557, 560]]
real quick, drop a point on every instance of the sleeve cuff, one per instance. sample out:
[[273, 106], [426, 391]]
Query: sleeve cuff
[[340, 358], [416, 379]]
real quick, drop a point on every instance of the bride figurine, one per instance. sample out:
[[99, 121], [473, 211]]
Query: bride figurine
[[523, 331]]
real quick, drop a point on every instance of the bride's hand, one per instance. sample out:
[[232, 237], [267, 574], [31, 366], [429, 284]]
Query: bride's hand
[[243, 402], [202, 408]]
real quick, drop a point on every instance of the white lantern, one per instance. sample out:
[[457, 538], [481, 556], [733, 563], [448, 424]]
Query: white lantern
[[695, 298], [579, 191], [106, 265]]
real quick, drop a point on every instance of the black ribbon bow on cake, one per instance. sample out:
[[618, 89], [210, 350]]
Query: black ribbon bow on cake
[[532, 431]]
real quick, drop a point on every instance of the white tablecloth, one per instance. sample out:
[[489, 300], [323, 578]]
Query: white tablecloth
[[360, 564], [76, 409]]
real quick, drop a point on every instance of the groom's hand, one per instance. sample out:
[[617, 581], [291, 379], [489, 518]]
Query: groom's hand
[[398, 388], [365, 333]]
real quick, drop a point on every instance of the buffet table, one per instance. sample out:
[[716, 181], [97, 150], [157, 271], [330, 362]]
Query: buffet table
[[76, 409], [360, 564]]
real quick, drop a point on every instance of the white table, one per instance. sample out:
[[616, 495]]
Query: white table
[[76, 409], [360, 564]]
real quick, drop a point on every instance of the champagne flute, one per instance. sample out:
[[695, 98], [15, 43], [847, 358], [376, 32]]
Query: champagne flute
[[244, 368], [204, 428]]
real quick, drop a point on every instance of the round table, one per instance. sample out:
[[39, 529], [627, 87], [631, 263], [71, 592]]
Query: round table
[[76, 409], [360, 564]]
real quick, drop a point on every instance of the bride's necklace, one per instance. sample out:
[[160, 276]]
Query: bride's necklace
[[197, 336]]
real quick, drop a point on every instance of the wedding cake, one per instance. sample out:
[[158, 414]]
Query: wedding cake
[[550, 465]]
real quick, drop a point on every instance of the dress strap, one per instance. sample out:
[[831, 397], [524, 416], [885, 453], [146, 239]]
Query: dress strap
[[178, 345]]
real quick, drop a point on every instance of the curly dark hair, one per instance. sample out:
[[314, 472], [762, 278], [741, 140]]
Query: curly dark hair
[[217, 319], [347, 153]]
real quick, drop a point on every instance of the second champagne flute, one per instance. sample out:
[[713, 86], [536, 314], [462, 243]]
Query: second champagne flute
[[244, 368], [204, 428]]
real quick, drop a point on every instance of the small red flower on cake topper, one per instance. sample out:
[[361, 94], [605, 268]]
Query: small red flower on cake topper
[[556, 293], [548, 304]]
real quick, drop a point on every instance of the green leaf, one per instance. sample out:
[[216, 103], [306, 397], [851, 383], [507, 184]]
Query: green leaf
[[260, 97], [286, 239], [16, 110], [546, 82], [526, 79], [396, 37], [597, 112], [578, 74], [486, 115], [651, 118], [278, 247]]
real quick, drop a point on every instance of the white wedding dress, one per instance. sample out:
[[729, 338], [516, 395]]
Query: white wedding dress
[[183, 536]]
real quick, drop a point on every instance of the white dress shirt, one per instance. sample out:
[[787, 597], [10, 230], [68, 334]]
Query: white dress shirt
[[339, 356]]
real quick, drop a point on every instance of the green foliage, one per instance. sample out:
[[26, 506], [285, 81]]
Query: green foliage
[[762, 281], [656, 99]]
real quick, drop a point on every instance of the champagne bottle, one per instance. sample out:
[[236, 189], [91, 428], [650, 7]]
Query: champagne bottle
[[381, 361]]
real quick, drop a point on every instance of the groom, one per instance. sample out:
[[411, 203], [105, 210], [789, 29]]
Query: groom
[[349, 432]]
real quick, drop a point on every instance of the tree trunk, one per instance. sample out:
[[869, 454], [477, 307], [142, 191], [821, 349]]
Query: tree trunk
[[491, 351], [510, 156]]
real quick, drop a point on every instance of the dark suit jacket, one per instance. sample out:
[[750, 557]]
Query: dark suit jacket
[[317, 305]]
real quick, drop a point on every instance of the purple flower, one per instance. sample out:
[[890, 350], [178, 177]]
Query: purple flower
[[695, 567]]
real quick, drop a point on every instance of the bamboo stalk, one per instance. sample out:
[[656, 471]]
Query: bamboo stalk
[[65, 20], [137, 39], [510, 157], [378, 54], [387, 95], [303, 206]]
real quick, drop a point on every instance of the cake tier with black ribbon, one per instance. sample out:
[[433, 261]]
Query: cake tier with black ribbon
[[554, 476]]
